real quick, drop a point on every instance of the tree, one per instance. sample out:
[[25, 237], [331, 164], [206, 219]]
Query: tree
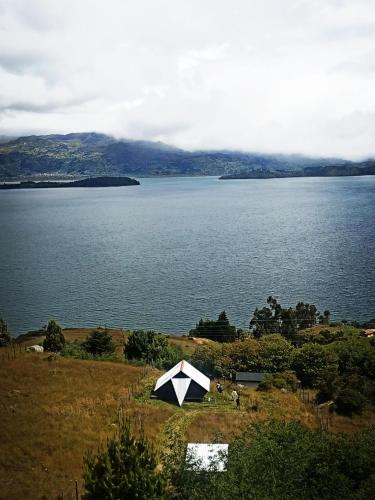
[[284, 380], [169, 357], [239, 357], [278, 460], [152, 348], [271, 353], [349, 401], [55, 339], [220, 330], [275, 319], [5, 338], [205, 358], [325, 317], [275, 353], [262, 322], [355, 355], [145, 345], [306, 315], [311, 362], [99, 342], [125, 468], [289, 324], [327, 384]]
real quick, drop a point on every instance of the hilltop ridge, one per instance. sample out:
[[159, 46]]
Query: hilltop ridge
[[92, 154]]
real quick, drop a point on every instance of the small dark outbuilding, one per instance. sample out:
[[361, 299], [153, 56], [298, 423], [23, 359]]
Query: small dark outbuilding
[[250, 379]]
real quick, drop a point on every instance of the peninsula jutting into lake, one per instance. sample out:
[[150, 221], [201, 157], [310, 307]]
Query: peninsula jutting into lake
[[90, 182]]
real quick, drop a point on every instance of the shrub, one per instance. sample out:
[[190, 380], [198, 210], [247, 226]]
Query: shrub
[[125, 468], [327, 386], [170, 357], [145, 345], [152, 348], [239, 356], [284, 380], [76, 350], [55, 339], [355, 354], [98, 343], [277, 460], [5, 338], [266, 384], [328, 336], [349, 401], [275, 353], [311, 362], [204, 358]]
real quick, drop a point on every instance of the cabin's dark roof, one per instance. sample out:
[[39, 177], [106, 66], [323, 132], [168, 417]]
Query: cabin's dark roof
[[250, 376]]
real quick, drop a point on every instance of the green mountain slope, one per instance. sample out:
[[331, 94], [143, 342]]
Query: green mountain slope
[[93, 154]]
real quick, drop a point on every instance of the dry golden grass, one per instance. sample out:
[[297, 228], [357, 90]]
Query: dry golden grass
[[338, 423], [227, 421], [187, 345], [347, 329], [50, 413]]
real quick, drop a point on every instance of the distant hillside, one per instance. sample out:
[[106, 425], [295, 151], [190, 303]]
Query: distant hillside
[[348, 169], [92, 154]]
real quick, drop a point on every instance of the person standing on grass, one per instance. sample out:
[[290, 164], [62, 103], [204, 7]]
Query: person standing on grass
[[234, 395], [238, 403]]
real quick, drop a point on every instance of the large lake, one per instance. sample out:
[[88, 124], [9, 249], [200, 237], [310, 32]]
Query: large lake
[[173, 250]]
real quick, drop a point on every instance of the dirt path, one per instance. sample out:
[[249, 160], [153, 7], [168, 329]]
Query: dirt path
[[173, 435]]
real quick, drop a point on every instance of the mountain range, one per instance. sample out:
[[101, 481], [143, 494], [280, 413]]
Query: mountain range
[[92, 154]]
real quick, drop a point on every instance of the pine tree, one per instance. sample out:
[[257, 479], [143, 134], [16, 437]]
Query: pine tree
[[125, 469], [54, 340], [99, 342]]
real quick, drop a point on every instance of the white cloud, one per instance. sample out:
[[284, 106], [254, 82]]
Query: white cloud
[[290, 76]]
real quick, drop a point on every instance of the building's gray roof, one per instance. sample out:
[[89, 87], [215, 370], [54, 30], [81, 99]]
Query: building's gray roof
[[250, 376]]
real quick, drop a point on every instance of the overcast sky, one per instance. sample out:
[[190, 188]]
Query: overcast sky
[[257, 75]]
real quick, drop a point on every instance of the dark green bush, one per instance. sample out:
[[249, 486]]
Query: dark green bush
[[311, 363], [205, 358], [284, 380], [266, 384], [276, 460], [152, 348], [220, 330], [5, 338], [55, 339], [170, 357], [349, 401], [76, 350], [124, 468], [99, 343]]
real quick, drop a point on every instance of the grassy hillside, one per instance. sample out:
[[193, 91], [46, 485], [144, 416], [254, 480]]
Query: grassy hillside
[[53, 409]]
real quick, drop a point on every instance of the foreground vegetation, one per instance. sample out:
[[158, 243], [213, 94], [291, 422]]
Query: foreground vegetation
[[57, 408], [270, 460], [54, 409]]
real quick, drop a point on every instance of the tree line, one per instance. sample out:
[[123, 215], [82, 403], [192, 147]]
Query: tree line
[[267, 320]]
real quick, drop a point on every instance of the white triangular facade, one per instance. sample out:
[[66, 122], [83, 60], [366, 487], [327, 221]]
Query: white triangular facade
[[181, 384]]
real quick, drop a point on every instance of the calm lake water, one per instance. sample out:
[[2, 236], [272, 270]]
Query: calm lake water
[[173, 250]]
